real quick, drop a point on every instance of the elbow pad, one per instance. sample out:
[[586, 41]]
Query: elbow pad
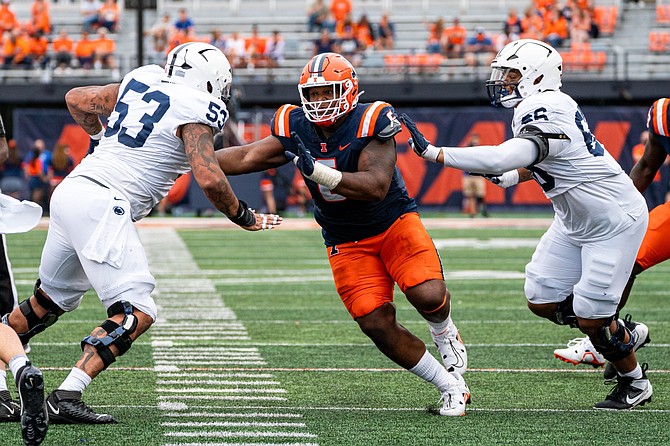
[[541, 140]]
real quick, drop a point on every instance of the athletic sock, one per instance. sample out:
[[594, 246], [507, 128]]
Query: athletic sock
[[77, 380], [439, 329], [3, 380], [429, 369], [16, 363], [636, 373]]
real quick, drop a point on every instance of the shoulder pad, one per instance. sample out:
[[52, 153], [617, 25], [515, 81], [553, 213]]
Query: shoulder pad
[[657, 119], [373, 122], [280, 121], [541, 139]]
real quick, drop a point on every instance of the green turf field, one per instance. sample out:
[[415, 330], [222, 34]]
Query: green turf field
[[253, 346]]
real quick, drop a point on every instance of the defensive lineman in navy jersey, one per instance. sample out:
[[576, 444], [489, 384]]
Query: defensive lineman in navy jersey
[[373, 235]]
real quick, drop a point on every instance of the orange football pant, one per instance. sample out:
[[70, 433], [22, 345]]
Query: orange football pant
[[365, 271], [655, 246]]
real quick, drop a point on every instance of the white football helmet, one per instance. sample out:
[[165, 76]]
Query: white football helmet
[[201, 66], [540, 65]]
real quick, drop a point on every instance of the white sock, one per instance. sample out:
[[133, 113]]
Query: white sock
[[431, 370], [77, 380], [636, 373], [439, 329], [16, 363], [3, 380]]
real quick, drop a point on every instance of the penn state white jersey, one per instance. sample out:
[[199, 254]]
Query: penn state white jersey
[[591, 194], [140, 153]]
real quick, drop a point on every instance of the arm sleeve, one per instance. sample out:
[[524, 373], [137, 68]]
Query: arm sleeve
[[513, 153]]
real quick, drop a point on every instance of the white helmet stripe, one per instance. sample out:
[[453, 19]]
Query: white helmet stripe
[[661, 117], [367, 117]]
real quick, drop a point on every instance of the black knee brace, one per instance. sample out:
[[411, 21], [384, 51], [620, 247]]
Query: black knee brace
[[564, 314], [117, 335], [612, 345], [37, 324]]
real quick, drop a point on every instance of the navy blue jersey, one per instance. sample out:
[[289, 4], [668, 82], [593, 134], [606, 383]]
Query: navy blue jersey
[[344, 219], [658, 122]]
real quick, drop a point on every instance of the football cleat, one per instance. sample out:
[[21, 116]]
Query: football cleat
[[455, 398], [452, 350], [628, 393], [66, 407], [34, 418], [580, 351], [641, 333], [10, 410]]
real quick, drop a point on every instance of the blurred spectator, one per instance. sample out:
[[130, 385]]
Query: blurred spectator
[[580, 26], [89, 12], [60, 166], [184, 22], [479, 49], [218, 40], [324, 44], [341, 10], [84, 51], [474, 188], [236, 50], [531, 24], [435, 43], [40, 47], [456, 36], [13, 180], [33, 169], [512, 25], [349, 46], [555, 28], [274, 49], [104, 49], [40, 19], [17, 49], [8, 20], [254, 46], [317, 16], [385, 33], [108, 15], [364, 33], [62, 47], [267, 187], [160, 34]]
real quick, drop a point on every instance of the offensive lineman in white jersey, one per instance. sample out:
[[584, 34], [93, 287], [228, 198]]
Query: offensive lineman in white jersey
[[581, 264], [161, 125]]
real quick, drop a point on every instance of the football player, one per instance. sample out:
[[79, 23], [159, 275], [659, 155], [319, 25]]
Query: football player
[[374, 237], [161, 125], [581, 265], [654, 249]]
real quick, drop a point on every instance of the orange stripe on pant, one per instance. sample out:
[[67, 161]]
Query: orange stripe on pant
[[365, 271]]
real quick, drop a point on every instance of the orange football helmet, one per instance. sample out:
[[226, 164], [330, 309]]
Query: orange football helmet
[[329, 69]]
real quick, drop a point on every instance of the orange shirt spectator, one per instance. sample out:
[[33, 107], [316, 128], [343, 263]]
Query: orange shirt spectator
[[108, 15], [40, 16], [103, 44], [531, 25], [455, 36], [62, 43], [8, 20], [40, 44], [84, 50], [341, 9]]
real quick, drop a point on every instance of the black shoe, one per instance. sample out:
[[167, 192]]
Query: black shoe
[[66, 407], [34, 419], [628, 393], [641, 333], [10, 410]]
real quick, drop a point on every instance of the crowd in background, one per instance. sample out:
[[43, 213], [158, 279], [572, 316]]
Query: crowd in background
[[32, 42]]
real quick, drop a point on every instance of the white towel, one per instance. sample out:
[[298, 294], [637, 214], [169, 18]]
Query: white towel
[[18, 216], [108, 241]]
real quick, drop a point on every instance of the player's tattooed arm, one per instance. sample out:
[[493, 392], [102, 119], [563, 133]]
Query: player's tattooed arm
[[199, 147], [86, 104]]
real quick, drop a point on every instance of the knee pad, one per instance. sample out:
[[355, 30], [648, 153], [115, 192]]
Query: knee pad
[[612, 345], [117, 335], [564, 313], [37, 324]]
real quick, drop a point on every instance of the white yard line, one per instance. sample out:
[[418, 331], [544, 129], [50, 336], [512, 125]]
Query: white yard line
[[191, 311]]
